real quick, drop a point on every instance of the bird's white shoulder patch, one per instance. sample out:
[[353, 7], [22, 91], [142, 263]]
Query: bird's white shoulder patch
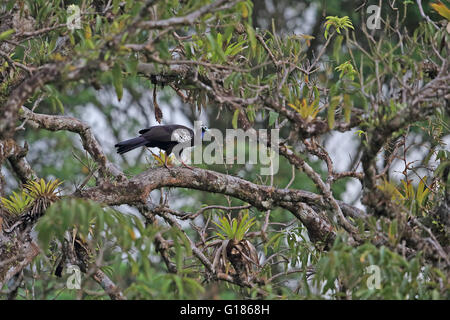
[[181, 135]]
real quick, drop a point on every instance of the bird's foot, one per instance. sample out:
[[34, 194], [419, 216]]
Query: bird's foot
[[171, 170], [166, 164]]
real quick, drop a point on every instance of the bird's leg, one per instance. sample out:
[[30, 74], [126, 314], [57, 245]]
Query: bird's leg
[[165, 161], [161, 161], [184, 164]]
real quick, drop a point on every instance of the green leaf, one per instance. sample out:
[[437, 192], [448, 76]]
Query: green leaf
[[273, 240], [337, 48], [251, 36], [89, 44], [234, 122], [316, 97], [393, 230], [347, 107], [6, 34], [251, 114], [422, 192], [116, 6], [59, 104], [117, 80], [273, 116], [331, 110]]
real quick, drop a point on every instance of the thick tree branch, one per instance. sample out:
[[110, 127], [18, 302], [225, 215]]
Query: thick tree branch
[[260, 196], [90, 144], [110, 287]]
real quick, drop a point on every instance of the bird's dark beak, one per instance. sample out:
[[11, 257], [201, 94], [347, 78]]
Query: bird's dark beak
[[204, 129]]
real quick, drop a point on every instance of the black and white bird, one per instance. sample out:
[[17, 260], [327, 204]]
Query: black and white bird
[[164, 137]]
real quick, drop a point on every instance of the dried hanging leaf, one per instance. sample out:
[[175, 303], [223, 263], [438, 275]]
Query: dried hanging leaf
[[158, 112]]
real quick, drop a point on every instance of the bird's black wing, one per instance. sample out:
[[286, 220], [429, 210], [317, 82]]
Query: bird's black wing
[[145, 130], [164, 133]]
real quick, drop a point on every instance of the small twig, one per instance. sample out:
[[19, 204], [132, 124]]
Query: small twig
[[422, 13]]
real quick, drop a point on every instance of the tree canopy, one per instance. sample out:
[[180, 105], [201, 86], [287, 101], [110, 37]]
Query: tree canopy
[[357, 208]]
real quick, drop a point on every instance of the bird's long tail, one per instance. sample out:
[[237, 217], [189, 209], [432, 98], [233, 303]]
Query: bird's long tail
[[130, 144]]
